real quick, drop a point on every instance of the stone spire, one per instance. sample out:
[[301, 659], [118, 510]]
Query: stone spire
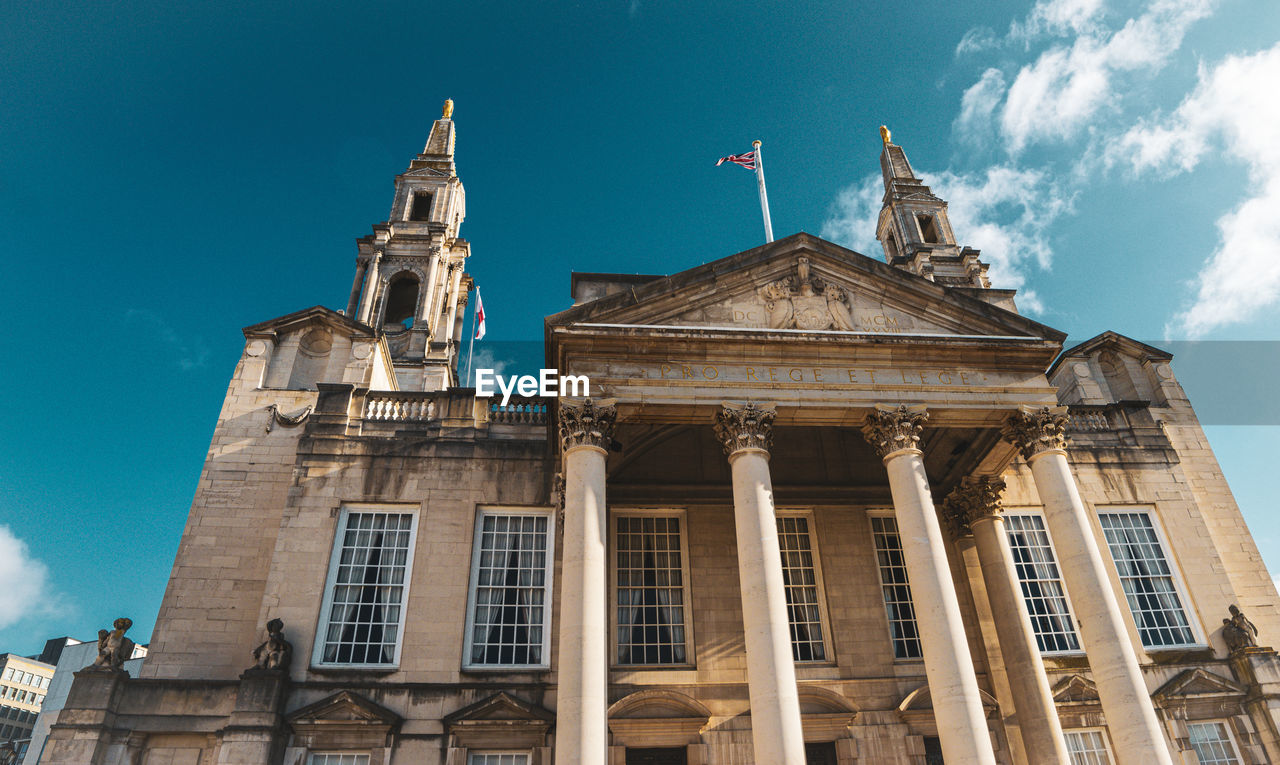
[[914, 229], [410, 273]]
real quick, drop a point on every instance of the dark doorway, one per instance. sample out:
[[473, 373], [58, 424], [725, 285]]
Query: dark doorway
[[932, 750], [820, 754], [668, 756]]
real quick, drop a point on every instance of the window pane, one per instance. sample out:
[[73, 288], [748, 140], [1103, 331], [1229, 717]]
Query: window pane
[[508, 602], [497, 758], [801, 582], [650, 591], [1087, 747], [1042, 586], [1212, 743], [364, 605], [896, 588], [1147, 579]]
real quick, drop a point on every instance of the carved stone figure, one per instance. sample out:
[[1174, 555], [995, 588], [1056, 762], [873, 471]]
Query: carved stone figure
[[805, 301], [838, 305], [275, 652], [114, 649], [1238, 631]]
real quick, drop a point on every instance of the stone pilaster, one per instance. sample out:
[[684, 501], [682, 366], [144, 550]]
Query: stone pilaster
[[974, 508], [254, 733], [894, 432], [86, 724], [746, 432], [1040, 435], [586, 434]]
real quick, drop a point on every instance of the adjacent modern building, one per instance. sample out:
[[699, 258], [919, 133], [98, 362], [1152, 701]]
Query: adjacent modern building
[[816, 507], [24, 682]]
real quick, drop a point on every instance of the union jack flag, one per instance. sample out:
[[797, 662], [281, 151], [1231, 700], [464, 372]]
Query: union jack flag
[[747, 160]]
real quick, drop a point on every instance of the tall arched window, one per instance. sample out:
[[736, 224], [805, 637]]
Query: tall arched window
[[402, 301]]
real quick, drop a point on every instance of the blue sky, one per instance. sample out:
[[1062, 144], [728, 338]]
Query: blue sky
[[172, 172]]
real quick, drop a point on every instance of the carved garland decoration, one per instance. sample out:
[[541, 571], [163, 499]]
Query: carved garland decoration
[[976, 497], [1034, 431], [284, 419], [745, 426], [589, 423], [891, 429]]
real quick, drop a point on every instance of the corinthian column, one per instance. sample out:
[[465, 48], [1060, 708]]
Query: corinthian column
[[974, 507], [957, 706], [1040, 434], [586, 431], [747, 435]]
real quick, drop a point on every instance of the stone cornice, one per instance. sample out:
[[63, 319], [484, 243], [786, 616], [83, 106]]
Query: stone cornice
[[745, 426], [892, 429], [587, 422], [975, 498], [1034, 431]]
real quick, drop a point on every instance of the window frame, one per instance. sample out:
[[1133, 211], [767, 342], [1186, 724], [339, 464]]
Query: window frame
[[548, 587], [331, 577], [1101, 730], [686, 587], [528, 754], [1231, 736], [828, 649], [1057, 562], [1175, 573], [875, 557], [327, 753]]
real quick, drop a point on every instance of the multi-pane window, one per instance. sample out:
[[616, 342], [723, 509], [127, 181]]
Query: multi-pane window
[[1087, 746], [1147, 579], [510, 590], [497, 758], [896, 589], [368, 577], [650, 590], [1212, 743], [338, 758], [1042, 587], [800, 576]]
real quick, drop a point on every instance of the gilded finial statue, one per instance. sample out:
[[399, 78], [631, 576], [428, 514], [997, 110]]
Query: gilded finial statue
[[448, 109], [884, 134]]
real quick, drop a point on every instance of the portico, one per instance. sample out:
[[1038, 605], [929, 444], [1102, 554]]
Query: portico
[[762, 420]]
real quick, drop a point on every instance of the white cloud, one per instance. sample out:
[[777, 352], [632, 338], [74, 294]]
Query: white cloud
[[1070, 85], [1231, 107], [977, 105], [1004, 211], [26, 591]]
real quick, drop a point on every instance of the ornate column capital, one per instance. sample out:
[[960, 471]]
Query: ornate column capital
[[587, 422], [976, 497], [893, 429], [1036, 430], [745, 426]]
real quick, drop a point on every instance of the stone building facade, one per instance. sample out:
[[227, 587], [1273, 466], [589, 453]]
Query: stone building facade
[[817, 507]]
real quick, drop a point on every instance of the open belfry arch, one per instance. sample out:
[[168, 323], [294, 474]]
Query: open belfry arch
[[818, 508]]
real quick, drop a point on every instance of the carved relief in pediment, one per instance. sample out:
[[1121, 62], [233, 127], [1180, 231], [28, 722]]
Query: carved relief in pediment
[[805, 301]]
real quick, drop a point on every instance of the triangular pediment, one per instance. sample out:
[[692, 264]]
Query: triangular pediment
[[314, 316], [497, 707], [429, 172], [343, 707], [1076, 688], [1198, 682], [803, 284]]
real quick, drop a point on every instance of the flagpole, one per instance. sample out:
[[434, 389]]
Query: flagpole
[[471, 349], [764, 197]]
